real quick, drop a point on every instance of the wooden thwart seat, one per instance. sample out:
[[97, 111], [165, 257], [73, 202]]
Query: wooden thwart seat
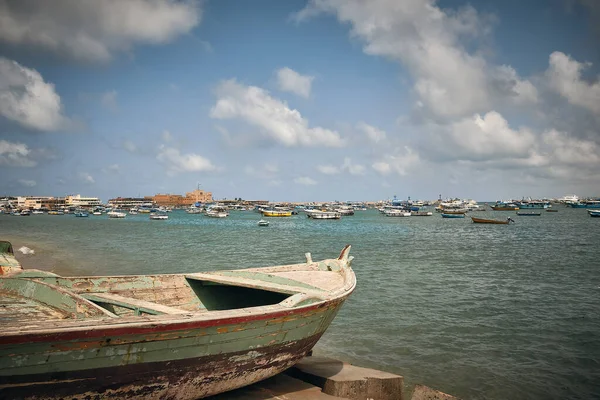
[[139, 306]]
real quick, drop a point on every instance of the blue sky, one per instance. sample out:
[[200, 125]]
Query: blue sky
[[300, 101]]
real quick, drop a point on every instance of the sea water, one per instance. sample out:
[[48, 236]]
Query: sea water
[[478, 311]]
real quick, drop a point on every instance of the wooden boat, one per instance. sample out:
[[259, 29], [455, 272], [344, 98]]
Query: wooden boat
[[455, 211], [175, 336], [318, 214], [277, 213], [529, 214], [421, 213], [445, 215], [491, 221]]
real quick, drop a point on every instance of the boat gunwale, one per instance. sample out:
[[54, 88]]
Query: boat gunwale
[[190, 320]]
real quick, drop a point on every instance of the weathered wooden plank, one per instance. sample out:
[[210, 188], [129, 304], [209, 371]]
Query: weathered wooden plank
[[129, 302]]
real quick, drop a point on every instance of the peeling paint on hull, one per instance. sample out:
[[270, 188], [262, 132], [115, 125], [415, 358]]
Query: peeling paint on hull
[[182, 379]]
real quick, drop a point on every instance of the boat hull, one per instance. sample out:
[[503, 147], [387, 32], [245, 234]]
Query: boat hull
[[489, 221], [453, 215], [183, 361], [501, 208]]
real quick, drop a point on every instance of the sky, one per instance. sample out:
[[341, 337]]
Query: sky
[[317, 100]]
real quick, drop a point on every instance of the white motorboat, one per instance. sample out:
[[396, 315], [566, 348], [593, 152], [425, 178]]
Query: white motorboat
[[262, 222], [397, 213], [158, 217], [318, 214], [116, 214]]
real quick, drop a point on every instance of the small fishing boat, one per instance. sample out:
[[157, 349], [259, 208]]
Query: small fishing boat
[[445, 215], [503, 206], [318, 214], [528, 214], [55, 212], [455, 211], [172, 336], [262, 222], [25, 213], [396, 213], [81, 214], [97, 213], [37, 212], [492, 221], [116, 214], [216, 214], [551, 210], [158, 217], [594, 213], [421, 213], [277, 213]]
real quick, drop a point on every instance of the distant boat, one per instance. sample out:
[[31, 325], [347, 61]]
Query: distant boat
[[25, 213], [55, 212], [37, 212], [594, 213], [158, 217], [501, 206], [421, 213], [116, 214], [277, 213], [262, 222], [216, 214], [491, 221], [445, 215], [551, 210], [529, 214], [81, 214], [318, 214], [97, 213], [397, 213]]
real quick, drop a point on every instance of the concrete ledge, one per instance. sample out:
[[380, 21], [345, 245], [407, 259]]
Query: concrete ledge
[[279, 387], [341, 379], [424, 393]]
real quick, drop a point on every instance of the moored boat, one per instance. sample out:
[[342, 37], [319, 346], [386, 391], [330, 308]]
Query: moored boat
[[318, 214], [183, 336], [445, 215], [277, 213], [81, 214], [503, 206], [421, 213], [594, 213], [528, 214], [491, 221], [158, 217], [116, 214], [262, 222], [397, 213], [551, 210]]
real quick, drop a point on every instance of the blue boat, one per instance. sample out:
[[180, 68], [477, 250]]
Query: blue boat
[[81, 214], [594, 213], [453, 215], [586, 204], [533, 204]]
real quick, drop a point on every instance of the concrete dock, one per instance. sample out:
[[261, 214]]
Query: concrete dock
[[322, 378]]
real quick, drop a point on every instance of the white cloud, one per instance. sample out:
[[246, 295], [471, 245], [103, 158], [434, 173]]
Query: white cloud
[[130, 146], [109, 100], [328, 169], [305, 180], [566, 150], [175, 162], [94, 30], [15, 154], [86, 178], [374, 134], [266, 171], [450, 80], [27, 182], [113, 168], [402, 161], [166, 136], [273, 116], [564, 74], [486, 137], [27, 99], [289, 80], [353, 169]]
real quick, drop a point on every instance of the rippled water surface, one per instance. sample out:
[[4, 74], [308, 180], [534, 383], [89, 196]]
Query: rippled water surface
[[478, 311]]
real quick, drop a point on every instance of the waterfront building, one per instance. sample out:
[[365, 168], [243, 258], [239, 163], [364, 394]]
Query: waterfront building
[[77, 201], [131, 202], [177, 200]]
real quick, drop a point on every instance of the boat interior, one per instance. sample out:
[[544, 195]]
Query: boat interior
[[33, 294]]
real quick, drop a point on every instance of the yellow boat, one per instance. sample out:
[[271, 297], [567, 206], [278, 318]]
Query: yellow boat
[[277, 213]]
